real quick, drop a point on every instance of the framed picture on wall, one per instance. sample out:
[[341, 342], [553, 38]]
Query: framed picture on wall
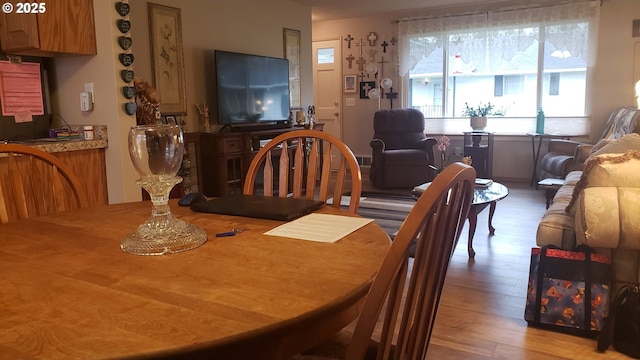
[[291, 40], [365, 86], [167, 61], [350, 84]]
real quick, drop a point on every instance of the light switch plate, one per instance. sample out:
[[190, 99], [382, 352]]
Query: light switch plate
[[350, 102]]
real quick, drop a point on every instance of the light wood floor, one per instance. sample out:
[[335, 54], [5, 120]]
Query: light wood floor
[[481, 315]]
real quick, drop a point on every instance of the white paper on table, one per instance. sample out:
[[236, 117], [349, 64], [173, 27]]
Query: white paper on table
[[320, 227]]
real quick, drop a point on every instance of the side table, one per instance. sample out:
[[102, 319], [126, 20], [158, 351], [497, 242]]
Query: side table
[[479, 145], [551, 187], [535, 151]]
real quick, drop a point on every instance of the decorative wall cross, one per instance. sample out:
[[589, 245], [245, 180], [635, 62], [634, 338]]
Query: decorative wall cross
[[348, 40], [372, 54], [361, 76], [372, 38], [382, 62], [350, 59], [391, 95], [360, 44], [361, 61], [384, 46]]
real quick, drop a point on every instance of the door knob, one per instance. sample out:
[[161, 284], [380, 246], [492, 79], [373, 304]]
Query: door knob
[[336, 113], [336, 103]]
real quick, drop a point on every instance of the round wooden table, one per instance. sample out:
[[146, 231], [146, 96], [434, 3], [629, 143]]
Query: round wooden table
[[69, 292]]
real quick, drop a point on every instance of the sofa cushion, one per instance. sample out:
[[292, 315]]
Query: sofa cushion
[[556, 226], [572, 178], [607, 217], [619, 146]]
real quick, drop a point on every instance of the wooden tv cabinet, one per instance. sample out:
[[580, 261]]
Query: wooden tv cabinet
[[219, 160]]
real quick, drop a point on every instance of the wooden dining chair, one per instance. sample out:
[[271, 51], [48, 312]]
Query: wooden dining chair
[[406, 290], [33, 182], [306, 164]]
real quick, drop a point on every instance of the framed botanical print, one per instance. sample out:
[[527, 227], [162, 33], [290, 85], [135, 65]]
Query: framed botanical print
[[167, 61], [291, 40]]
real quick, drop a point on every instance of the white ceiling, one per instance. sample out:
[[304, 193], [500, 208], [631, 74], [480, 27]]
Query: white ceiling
[[340, 9]]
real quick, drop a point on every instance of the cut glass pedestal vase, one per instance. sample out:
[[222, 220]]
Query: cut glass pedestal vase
[[156, 152]]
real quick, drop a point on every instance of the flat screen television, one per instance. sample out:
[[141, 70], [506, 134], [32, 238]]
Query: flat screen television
[[248, 89]]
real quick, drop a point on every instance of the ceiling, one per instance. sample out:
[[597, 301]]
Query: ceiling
[[322, 10]]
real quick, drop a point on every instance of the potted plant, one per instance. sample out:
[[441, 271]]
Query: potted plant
[[478, 115]]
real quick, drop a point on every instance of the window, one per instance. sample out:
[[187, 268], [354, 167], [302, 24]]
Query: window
[[326, 56], [519, 60]]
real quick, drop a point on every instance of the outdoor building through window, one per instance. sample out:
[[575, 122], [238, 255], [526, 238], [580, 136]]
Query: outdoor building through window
[[519, 60]]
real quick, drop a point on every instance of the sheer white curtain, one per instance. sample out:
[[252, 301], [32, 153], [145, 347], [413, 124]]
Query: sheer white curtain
[[500, 35]]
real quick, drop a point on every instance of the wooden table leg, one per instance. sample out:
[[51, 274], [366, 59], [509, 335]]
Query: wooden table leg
[[492, 209], [473, 220]]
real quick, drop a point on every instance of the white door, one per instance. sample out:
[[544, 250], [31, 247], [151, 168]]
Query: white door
[[327, 85]]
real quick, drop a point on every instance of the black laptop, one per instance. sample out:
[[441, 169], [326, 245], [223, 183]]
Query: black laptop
[[257, 206]]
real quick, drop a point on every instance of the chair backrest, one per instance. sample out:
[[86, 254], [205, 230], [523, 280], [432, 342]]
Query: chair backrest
[[33, 182], [409, 291], [398, 128], [306, 171]]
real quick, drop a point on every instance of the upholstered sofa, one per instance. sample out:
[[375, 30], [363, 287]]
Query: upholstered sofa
[[564, 156], [600, 206]]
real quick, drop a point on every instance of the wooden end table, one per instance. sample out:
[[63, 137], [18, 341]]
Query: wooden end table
[[482, 196]]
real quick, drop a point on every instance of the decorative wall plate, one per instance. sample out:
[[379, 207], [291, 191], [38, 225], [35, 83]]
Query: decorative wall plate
[[122, 8], [130, 108], [126, 59], [129, 91], [127, 75], [125, 42], [123, 25]]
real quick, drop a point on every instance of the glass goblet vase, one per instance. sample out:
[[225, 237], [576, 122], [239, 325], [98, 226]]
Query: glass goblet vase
[[156, 152]]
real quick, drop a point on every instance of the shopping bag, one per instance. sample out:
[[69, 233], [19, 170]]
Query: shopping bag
[[622, 326], [568, 291]]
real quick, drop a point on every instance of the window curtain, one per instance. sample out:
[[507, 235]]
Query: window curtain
[[493, 36]]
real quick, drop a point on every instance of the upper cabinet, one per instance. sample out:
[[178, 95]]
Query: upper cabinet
[[51, 28]]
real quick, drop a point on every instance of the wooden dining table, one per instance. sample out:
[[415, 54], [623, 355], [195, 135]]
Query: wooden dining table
[[67, 290]]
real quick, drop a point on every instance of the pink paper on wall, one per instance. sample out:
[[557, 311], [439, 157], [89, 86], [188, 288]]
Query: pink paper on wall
[[21, 90]]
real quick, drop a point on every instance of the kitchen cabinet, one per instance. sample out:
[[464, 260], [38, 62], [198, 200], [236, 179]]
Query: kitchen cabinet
[[90, 167], [65, 27]]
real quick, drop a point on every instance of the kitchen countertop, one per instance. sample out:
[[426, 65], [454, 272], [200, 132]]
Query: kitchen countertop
[[61, 145], [55, 145]]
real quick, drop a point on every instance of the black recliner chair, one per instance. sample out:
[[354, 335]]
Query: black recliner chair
[[402, 152]]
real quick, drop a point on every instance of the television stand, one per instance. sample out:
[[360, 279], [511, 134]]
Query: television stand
[[222, 158], [255, 127]]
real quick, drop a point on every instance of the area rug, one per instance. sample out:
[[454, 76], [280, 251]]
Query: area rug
[[387, 211]]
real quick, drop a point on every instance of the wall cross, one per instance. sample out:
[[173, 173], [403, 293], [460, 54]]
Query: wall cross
[[361, 61], [348, 40], [350, 59], [372, 38]]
